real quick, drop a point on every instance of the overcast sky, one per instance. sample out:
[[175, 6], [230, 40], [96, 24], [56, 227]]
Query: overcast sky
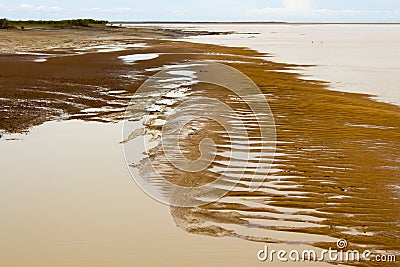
[[207, 10]]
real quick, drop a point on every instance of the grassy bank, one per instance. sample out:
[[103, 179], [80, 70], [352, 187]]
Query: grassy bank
[[7, 24]]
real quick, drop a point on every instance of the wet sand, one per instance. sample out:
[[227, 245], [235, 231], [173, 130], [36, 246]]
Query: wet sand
[[338, 153]]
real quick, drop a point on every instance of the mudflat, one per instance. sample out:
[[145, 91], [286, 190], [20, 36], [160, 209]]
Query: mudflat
[[337, 153]]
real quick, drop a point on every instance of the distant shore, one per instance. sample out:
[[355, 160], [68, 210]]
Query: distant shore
[[253, 22]]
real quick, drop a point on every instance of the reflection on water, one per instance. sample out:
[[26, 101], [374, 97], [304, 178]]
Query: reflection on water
[[137, 57]]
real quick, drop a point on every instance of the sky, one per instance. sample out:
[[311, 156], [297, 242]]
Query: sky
[[206, 10]]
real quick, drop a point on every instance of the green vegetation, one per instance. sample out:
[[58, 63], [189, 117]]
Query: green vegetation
[[5, 24]]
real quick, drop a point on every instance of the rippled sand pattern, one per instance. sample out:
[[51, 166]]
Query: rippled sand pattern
[[333, 177], [335, 173]]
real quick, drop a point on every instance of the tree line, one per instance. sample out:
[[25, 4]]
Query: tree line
[[5, 23]]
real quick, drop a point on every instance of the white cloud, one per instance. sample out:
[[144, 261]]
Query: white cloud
[[297, 5], [39, 8], [289, 7], [109, 10]]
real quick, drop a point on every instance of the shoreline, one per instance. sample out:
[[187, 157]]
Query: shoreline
[[336, 148]]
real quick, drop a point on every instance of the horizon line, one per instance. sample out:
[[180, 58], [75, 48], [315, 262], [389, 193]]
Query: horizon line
[[243, 22]]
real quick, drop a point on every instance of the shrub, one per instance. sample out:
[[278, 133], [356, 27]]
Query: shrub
[[3, 24]]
